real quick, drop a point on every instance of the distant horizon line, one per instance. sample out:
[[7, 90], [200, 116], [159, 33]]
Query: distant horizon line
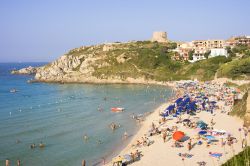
[[26, 62]]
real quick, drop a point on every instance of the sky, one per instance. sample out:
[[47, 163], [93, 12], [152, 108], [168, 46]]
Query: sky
[[42, 31]]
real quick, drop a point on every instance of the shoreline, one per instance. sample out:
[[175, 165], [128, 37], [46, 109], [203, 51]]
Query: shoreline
[[155, 149], [141, 126], [105, 81], [139, 133]]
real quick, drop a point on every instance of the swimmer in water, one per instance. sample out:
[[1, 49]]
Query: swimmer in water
[[85, 137], [32, 146], [10, 113], [99, 109], [41, 145], [99, 142], [125, 135]]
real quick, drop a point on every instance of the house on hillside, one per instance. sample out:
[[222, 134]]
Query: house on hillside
[[201, 47], [218, 52], [181, 54], [182, 50], [239, 40], [199, 54]]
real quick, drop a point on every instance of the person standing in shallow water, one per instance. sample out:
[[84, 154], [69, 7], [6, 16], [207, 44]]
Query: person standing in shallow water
[[125, 135], [85, 137]]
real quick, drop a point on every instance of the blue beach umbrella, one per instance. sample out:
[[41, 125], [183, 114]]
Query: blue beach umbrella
[[180, 109], [187, 100], [202, 132], [210, 137], [171, 107], [179, 100]]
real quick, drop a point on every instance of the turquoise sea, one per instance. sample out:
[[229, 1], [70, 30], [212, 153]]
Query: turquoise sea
[[60, 115]]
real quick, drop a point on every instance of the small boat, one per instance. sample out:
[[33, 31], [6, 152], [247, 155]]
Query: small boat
[[117, 109], [13, 90]]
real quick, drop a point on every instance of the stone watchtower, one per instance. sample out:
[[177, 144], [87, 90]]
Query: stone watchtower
[[160, 37]]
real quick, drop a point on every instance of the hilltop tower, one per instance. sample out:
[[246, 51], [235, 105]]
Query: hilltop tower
[[160, 37]]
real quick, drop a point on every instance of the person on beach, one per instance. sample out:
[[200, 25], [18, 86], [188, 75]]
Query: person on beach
[[244, 143], [132, 156], [138, 143], [164, 136], [222, 142], [189, 145], [153, 126]]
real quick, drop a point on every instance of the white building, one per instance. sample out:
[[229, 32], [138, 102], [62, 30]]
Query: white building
[[198, 54], [218, 52]]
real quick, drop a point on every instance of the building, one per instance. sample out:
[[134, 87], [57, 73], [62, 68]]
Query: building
[[203, 46], [218, 52], [182, 50], [160, 37], [208, 44], [199, 54], [239, 40], [181, 54]]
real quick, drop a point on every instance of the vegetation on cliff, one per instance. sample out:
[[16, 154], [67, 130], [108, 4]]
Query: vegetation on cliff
[[237, 69], [241, 159], [141, 59]]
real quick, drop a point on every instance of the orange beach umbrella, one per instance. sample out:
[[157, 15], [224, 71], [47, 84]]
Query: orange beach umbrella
[[178, 135]]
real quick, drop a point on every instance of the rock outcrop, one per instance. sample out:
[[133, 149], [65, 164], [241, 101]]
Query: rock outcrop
[[29, 70]]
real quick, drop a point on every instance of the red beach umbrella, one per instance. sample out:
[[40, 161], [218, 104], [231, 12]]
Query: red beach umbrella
[[178, 135]]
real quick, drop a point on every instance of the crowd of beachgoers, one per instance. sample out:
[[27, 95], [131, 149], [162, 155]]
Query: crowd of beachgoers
[[193, 128]]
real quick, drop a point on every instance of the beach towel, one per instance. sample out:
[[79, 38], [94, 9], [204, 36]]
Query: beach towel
[[186, 155]]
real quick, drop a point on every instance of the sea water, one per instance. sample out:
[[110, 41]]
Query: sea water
[[59, 115]]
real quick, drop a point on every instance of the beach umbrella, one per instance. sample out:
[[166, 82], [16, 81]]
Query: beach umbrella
[[178, 135], [202, 125], [210, 137], [187, 100], [186, 120], [178, 100], [180, 109], [202, 132], [171, 107]]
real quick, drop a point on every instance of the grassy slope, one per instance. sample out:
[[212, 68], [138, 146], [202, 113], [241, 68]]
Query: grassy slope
[[240, 159], [152, 60], [239, 108], [237, 69]]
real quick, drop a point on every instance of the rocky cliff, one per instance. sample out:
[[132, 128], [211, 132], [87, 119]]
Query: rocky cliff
[[105, 63]]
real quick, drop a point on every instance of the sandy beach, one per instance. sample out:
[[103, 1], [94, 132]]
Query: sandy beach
[[162, 153]]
